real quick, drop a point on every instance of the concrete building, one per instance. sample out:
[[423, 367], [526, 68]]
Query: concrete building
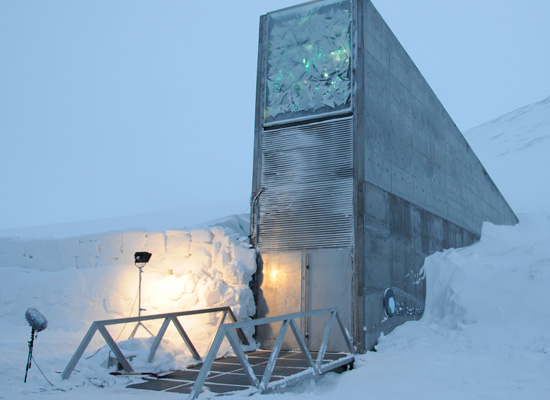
[[359, 172]]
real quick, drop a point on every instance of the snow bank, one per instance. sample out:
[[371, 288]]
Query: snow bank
[[91, 277], [496, 283], [486, 329], [75, 281]]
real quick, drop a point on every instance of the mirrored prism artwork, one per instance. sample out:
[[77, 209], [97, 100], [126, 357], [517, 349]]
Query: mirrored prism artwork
[[308, 61]]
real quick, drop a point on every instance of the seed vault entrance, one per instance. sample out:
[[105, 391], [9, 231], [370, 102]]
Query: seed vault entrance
[[359, 173], [296, 282], [305, 224], [303, 219]]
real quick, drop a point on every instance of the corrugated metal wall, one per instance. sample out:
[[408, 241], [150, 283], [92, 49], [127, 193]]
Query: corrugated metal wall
[[307, 173]]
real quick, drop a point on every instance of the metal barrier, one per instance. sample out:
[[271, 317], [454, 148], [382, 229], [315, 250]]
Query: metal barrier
[[315, 367], [169, 317]]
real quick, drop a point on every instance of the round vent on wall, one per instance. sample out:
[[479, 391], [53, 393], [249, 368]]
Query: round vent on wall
[[389, 302]]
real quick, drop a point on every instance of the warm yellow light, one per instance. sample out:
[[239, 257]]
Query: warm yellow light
[[274, 273]]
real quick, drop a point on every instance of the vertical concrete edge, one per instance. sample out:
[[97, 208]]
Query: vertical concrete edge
[[359, 143]]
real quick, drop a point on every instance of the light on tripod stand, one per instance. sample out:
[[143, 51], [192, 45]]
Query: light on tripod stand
[[140, 259]]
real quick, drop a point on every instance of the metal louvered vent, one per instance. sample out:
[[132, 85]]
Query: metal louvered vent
[[307, 173]]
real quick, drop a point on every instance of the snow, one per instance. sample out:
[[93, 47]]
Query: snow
[[485, 333], [514, 150], [76, 280]]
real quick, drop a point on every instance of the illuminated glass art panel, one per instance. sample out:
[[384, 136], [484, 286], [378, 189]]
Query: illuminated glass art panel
[[308, 61]]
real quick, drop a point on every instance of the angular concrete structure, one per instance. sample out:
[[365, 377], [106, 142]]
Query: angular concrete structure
[[359, 172]]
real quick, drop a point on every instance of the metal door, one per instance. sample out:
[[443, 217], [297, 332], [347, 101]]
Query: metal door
[[330, 285], [279, 292], [305, 280]]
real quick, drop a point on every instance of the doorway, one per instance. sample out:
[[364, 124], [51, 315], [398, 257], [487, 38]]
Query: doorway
[[296, 281]]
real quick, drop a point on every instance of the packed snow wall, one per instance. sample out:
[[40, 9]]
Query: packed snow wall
[[93, 277]]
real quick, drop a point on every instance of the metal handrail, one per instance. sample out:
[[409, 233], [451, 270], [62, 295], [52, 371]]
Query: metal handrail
[[315, 367], [168, 317]]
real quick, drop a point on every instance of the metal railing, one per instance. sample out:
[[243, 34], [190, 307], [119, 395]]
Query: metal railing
[[169, 317], [315, 368]]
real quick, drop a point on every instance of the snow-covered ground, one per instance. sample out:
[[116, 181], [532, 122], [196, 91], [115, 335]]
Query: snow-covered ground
[[485, 333]]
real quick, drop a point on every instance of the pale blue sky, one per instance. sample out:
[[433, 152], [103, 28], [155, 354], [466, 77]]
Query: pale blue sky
[[112, 108]]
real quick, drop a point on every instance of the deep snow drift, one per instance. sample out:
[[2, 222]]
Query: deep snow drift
[[485, 333]]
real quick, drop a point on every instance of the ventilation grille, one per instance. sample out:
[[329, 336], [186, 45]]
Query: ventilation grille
[[307, 173]]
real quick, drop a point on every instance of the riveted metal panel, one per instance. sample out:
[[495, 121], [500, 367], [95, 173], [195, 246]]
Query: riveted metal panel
[[329, 283], [307, 173]]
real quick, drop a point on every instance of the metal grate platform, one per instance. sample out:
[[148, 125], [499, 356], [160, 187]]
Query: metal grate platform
[[227, 374]]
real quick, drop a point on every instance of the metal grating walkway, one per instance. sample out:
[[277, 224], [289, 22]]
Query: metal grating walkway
[[227, 375]]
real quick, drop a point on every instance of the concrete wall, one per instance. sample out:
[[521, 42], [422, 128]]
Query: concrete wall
[[398, 236], [413, 148], [422, 187]]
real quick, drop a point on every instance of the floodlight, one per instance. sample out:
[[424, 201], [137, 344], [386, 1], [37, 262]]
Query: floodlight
[[140, 259]]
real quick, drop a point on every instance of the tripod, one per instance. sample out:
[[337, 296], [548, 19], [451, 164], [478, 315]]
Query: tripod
[[29, 358], [140, 267]]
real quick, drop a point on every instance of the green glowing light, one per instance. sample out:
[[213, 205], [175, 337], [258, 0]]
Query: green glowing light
[[309, 61]]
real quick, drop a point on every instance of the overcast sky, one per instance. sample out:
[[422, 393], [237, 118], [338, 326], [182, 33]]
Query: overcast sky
[[115, 108]]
